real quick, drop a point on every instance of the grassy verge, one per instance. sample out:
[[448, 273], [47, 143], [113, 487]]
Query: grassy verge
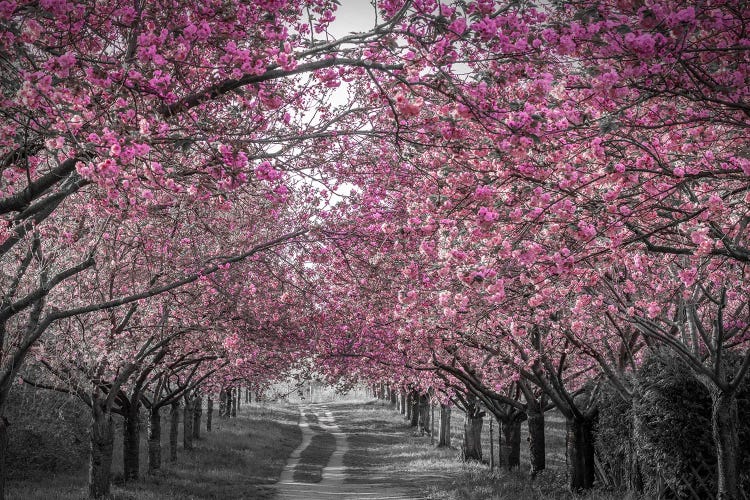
[[240, 458], [385, 450]]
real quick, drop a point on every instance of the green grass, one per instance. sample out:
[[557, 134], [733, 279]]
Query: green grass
[[241, 458]]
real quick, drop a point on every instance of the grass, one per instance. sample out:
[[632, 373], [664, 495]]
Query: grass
[[241, 458], [385, 451]]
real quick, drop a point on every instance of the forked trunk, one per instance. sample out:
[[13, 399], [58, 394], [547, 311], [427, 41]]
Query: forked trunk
[[580, 454], [102, 446], [725, 427], [471, 449], [174, 425], [537, 451], [444, 429], [154, 440]]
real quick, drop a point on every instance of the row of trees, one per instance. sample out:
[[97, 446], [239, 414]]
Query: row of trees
[[512, 205]]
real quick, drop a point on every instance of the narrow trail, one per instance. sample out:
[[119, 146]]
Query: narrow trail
[[333, 483]]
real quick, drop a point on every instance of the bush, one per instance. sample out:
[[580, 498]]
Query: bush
[[48, 432], [613, 436]]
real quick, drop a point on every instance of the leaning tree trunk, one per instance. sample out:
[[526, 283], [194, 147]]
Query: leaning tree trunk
[[209, 414], [471, 448], [537, 447], [414, 409], [131, 443], [154, 440], [580, 453], [510, 442], [725, 429], [187, 425], [197, 412], [102, 446], [174, 425], [444, 429]]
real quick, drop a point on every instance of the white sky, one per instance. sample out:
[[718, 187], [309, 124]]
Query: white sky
[[353, 16]]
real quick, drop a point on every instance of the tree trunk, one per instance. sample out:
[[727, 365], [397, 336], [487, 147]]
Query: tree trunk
[[402, 403], [154, 440], [424, 414], [409, 407], [222, 403], [131, 443], [102, 445], [471, 448], [725, 428], [174, 424], [209, 413], [187, 425], [239, 398], [235, 400], [3, 454], [444, 430], [537, 446], [580, 454], [414, 409], [197, 412], [394, 397], [510, 443]]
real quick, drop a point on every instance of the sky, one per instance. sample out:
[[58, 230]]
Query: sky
[[353, 15]]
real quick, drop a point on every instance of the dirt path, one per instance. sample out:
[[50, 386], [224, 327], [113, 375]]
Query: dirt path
[[333, 483]]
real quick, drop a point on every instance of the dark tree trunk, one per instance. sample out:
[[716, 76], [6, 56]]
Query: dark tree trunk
[[249, 396], [725, 429], [131, 442], [258, 397], [471, 449], [209, 414], [580, 453], [402, 403], [235, 400], [510, 443], [230, 401], [444, 429], [424, 414], [174, 425], [394, 397], [222, 403], [197, 412], [537, 446], [239, 399], [3, 454], [102, 446], [187, 424], [414, 409], [409, 407], [154, 440]]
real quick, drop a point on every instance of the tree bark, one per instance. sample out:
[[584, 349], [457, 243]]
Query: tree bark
[[414, 409], [154, 440], [3, 454], [393, 396], [510, 443], [197, 412], [174, 424], [424, 414], [222, 402], [187, 425], [235, 400], [102, 446], [239, 398], [409, 407], [725, 429], [537, 446], [209, 414], [471, 448], [402, 403], [131, 442], [444, 429], [580, 454]]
